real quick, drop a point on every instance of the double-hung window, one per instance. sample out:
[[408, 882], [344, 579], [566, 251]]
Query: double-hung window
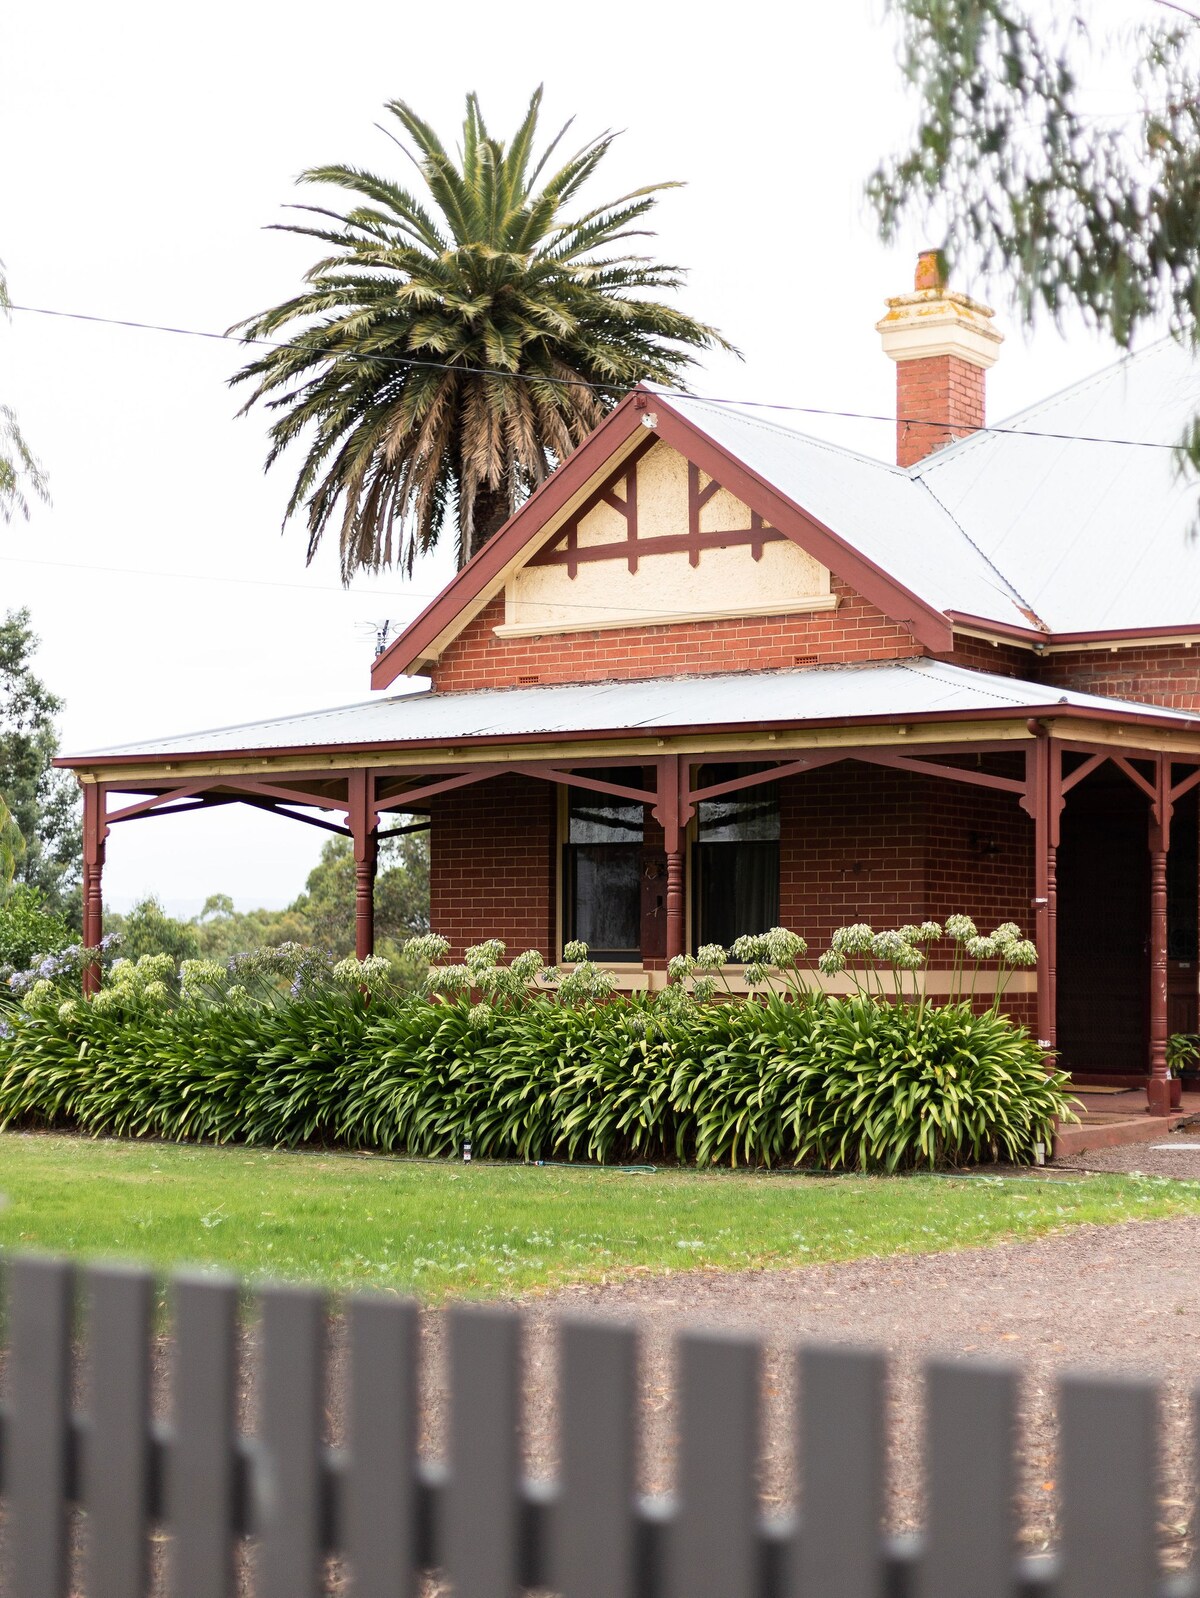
[[602, 869], [735, 859]]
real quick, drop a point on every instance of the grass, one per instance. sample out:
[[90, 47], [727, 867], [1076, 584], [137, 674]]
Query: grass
[[440, 1228]]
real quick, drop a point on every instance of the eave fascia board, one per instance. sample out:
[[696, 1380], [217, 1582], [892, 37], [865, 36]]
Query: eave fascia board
[[422, 640], [1047, 642]]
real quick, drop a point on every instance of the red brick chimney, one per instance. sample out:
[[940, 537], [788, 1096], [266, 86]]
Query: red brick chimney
[[942, 344]]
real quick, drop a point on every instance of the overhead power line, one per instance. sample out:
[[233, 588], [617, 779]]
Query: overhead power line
[[608, 389]]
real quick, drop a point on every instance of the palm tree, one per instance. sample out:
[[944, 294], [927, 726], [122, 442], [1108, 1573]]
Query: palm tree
[[452, 347]]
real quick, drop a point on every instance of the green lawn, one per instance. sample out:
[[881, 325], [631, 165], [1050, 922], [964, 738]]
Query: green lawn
[[435, 1228]]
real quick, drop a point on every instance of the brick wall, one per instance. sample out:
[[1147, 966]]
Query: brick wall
[[856, 631], [944, 388], [851, 849], [1163, 675], [491, 869], [1001, 660]]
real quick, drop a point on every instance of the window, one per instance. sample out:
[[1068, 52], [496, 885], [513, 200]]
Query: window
[[602, 876], [736, 859]]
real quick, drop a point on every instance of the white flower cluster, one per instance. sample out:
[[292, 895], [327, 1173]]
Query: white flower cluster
[[427, 949]]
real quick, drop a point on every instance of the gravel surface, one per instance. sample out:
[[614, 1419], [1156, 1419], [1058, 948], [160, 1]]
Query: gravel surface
[[1175, 1154], [1119, 1298]]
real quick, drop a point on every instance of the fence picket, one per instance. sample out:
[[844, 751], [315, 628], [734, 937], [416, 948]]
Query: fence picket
[[594, 1543], [840, 1459], [201, 1474], [713, 1550], [40, 1306], [116, 1465], [381, 1484], [482, 1544], [1108, 1476], [970, 1413], [288, 1496]]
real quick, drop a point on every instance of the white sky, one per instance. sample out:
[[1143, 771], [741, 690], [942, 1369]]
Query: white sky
[[147, 147]]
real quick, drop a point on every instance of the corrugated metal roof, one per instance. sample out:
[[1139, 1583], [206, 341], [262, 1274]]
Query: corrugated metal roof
[[890, 690], [1096, 536], [1090, 528], [876, 508]]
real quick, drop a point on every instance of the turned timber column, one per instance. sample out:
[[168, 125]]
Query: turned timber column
[[363, 829], [1158, 1089], [95, 831], [1044, 800], [673, 813]]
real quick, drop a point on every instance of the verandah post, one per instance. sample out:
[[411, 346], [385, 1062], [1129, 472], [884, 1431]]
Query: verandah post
[[1044, 800], [673, 812], [95, 831], [1158, 1088], [364, 821]]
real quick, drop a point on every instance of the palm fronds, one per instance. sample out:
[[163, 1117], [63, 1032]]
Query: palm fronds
[[454, 344]]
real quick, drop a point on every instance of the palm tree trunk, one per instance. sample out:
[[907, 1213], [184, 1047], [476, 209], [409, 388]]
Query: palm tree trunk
[[491, 512]]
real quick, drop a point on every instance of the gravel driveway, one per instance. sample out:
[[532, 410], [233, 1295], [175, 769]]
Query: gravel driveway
[[1119, 1297]]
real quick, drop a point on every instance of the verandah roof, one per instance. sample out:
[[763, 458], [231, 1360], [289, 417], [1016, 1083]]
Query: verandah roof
[[891, 691]]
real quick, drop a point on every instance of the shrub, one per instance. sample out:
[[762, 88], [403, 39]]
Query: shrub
[[285, 1047], [29, 929]]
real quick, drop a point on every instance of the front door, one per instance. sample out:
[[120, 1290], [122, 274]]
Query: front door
[[1104, 928]]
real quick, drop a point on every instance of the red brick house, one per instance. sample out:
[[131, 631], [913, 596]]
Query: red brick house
[[715, 675]]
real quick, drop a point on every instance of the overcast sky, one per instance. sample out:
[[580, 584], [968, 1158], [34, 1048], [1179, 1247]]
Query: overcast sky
[[147, 148]]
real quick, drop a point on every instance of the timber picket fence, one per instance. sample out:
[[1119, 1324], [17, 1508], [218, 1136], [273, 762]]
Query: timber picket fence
[[203, 1487]]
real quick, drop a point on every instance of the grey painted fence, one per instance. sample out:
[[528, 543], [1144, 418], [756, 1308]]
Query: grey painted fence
[[393, 1517]]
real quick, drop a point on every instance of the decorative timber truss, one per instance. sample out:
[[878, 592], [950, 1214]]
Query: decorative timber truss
[[620, 493]]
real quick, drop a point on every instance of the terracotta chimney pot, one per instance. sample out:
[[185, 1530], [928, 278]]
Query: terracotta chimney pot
[[942, 344]]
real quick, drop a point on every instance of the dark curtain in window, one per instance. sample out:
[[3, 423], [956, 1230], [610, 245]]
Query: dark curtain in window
[[603, 875], [737, 859]]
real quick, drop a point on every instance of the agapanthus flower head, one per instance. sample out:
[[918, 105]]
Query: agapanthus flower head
[[6, 1029], [680, 966], [960, 928], [703, 989], [908, 958], [980, 948], [893, 948], [68, 1010], [1005, 935], [928, 932], [586, 981], [156, 991], [1021, 952], [751, 949], [482, 955], [783, 947], [711, 957], [479, 1015], [428, 948], [756, 975], [832, 963], [49, 967], [450, 979], [854, 939], [110, 940], [636, 1024], [575, 951], [527, 965], [41, 993]]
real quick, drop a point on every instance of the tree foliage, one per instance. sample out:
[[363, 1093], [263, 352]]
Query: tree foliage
[[43, 802], [441, 353], [19, 468], [1022, 182], [323, 915]]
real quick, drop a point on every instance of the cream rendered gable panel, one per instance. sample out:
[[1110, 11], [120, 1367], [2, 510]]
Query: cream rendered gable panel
[[665, 587]]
